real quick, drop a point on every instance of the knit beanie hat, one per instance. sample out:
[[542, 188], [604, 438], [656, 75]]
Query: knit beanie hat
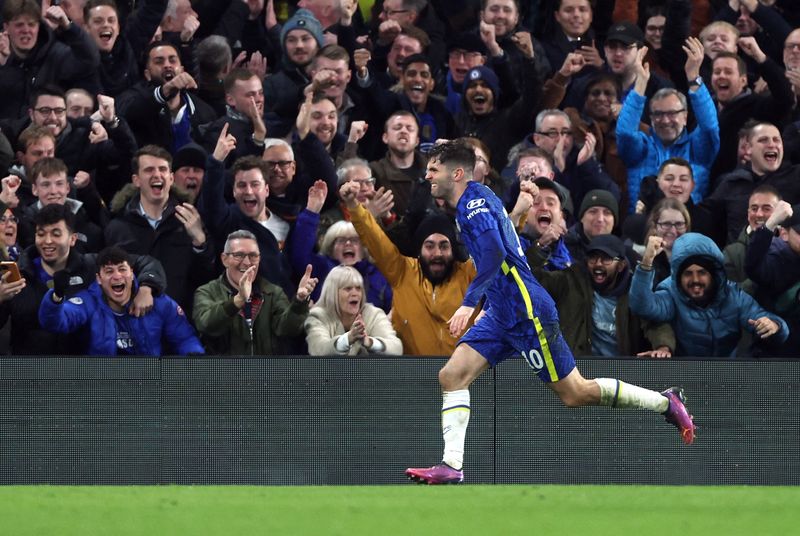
[[303, 19], [434, 223], [190, 154], [599, 198], [481, 72]]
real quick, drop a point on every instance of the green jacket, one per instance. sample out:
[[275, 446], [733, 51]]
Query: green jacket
[[572, 291], [224, 331], [734, 262]]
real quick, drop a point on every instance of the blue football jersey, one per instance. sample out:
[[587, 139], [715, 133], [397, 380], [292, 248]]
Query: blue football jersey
[[512, 293]]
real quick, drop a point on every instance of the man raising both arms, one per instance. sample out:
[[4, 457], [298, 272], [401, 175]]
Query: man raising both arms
[[520, 318]]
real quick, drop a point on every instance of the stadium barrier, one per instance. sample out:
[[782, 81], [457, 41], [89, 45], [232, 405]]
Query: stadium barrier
[[301, 420]]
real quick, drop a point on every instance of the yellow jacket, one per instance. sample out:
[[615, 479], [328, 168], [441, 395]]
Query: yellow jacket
[[420, 311]]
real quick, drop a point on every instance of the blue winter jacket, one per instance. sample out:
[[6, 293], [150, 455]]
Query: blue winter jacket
[[88, 309], [644, 153], [700, 331]]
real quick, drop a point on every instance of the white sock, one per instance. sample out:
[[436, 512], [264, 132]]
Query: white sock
[[618, 394], [455, 417]]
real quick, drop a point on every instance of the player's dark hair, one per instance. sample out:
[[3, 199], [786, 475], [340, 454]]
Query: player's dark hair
[[52, 214], [111, 255], [456, 153]]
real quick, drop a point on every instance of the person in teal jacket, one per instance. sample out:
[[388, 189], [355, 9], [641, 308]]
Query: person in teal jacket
[[708, 313]]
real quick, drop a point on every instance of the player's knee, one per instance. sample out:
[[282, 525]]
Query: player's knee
[[450, 380]]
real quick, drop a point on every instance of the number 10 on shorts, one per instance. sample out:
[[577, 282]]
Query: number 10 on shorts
[[534, 359]]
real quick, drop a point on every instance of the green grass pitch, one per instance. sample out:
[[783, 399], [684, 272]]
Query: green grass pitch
[[387, 510]]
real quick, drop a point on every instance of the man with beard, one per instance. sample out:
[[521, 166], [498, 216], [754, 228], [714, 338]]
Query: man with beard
[[519, 319], [53, 254], [594, 296], [161, 109], [503, 16], [386, 60], [709, 312], [100, 313], [301, 38], [189, 170], [416, 82], [644, 153], [597, 215], [403, 165], [427, 289]]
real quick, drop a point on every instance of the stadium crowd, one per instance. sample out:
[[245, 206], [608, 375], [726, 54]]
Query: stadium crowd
[[248, 177]]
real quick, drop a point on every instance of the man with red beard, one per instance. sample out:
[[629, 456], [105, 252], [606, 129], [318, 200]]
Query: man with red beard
[[728, 204], [594, 296], [427, 289]]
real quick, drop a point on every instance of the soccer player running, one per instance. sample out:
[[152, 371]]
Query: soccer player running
[[519, 317]]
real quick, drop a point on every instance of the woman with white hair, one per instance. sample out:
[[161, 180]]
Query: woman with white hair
[[340, 245], [342, 322]]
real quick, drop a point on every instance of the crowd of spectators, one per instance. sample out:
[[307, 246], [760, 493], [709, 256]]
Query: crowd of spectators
[[248, 177]]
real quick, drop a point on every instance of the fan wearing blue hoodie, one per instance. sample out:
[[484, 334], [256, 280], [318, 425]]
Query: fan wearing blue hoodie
[[708, 312]]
